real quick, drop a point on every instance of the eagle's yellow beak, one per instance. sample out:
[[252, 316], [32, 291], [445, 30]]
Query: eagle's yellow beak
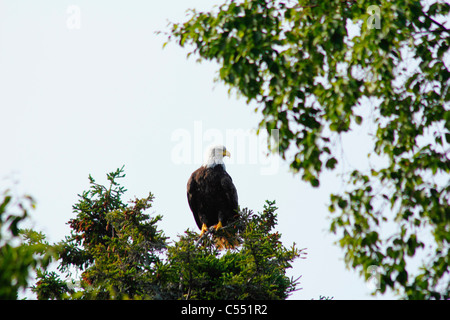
[[226, 153]]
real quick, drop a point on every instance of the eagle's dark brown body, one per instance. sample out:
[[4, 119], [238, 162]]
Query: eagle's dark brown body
[[212, 196]]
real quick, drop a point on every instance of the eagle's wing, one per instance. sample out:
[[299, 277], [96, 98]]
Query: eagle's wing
[[192, 191], [230, 191]]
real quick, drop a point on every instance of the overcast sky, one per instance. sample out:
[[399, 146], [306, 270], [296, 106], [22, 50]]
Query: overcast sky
[[85, 87]]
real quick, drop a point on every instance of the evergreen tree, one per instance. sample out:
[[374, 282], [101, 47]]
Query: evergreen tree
[[121, 254]]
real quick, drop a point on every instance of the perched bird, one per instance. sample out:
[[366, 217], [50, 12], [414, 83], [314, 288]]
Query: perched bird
[[211, 193]]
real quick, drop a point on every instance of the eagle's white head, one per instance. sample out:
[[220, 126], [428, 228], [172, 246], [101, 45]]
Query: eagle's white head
[[214, 156]]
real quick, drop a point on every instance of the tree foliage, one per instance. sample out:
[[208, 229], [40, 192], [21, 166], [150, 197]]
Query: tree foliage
[[313, 68], [120, 253], [20, 250]]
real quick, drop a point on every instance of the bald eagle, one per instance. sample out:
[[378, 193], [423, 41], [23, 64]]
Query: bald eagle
[[211, 193]]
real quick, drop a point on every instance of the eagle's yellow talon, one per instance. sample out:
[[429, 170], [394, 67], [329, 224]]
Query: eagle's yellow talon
[[204, 229], [218, 226]]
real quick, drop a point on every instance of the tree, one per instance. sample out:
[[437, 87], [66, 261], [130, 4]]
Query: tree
[[120, 253], [20, 250], [313, 68]]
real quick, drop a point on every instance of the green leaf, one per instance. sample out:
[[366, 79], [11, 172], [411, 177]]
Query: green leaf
[[315, 182], [331, 163]]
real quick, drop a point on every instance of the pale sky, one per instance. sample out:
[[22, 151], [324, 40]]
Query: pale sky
[[85, 87]]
